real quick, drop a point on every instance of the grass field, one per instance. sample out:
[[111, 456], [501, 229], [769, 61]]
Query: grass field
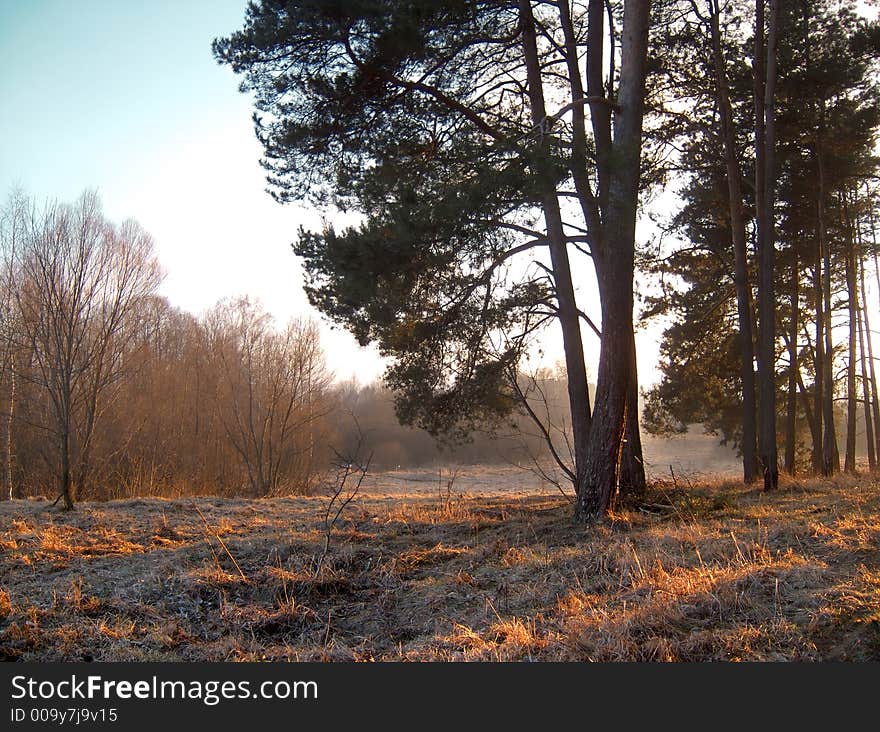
[[416, 569]]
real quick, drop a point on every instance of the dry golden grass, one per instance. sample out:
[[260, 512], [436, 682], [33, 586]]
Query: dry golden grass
[[714, 572]]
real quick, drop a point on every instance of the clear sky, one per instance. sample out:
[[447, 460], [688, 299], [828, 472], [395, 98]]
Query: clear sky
[[125, 97]]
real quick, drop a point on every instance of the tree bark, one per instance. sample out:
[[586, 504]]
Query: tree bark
[[614, 260], [10, 419], [812, 425], [866, 390], [632, 468], [741, 272], [830, 453], [765, 194], [793, 371], [632, 479], [875, 404], [852, 304], [819, 366], [65, 482]]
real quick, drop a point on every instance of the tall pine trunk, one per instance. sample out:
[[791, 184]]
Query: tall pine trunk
[[830, 453], [852, 303], [765, 196], [815, 433], [793, 370], [875, 403], [866, 391], [632, 469], [611, 414], [595, 204], [819, 366], [741, 272], [614, 259]]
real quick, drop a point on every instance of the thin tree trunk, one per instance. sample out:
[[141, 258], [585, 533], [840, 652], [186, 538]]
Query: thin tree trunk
[[818, 452], [805, 395], [830, 453], [741, 272], [812, 424], [65, 483], [852, 298], [793, 371], [866, 389], [578, 388], [10, 418], [819, 367], [875, 404], [851, 399]]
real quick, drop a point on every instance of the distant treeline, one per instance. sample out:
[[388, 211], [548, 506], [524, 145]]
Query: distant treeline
[[366, 413]]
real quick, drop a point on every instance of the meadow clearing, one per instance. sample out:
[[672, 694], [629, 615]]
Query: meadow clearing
[[490, 566]]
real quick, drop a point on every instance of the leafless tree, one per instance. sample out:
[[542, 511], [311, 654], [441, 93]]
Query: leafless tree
[[79, 281], [11, 224], [346, 476], [271, 389]]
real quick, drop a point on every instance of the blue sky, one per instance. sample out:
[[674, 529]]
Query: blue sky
[[125, 97], [93, 91]]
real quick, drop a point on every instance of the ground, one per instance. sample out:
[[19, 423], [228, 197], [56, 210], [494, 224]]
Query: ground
[[417, 568]]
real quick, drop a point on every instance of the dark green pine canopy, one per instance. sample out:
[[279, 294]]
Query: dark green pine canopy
[[412, 117]]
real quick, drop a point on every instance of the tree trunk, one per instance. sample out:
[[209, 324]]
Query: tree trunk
[[632, 468], [632, 479], [830, 453], [10, 418], [578, 388], [793, 370], [866, 390], [614, 260], [741, 272], [611, 412], [765, 185], [575, 363], [812, 424], [875, 403], [65, 483], [851, 398], [853, 312], [819, 367]]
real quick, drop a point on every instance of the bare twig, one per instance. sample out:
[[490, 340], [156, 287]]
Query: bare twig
[[343, 491], [222, 543]]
